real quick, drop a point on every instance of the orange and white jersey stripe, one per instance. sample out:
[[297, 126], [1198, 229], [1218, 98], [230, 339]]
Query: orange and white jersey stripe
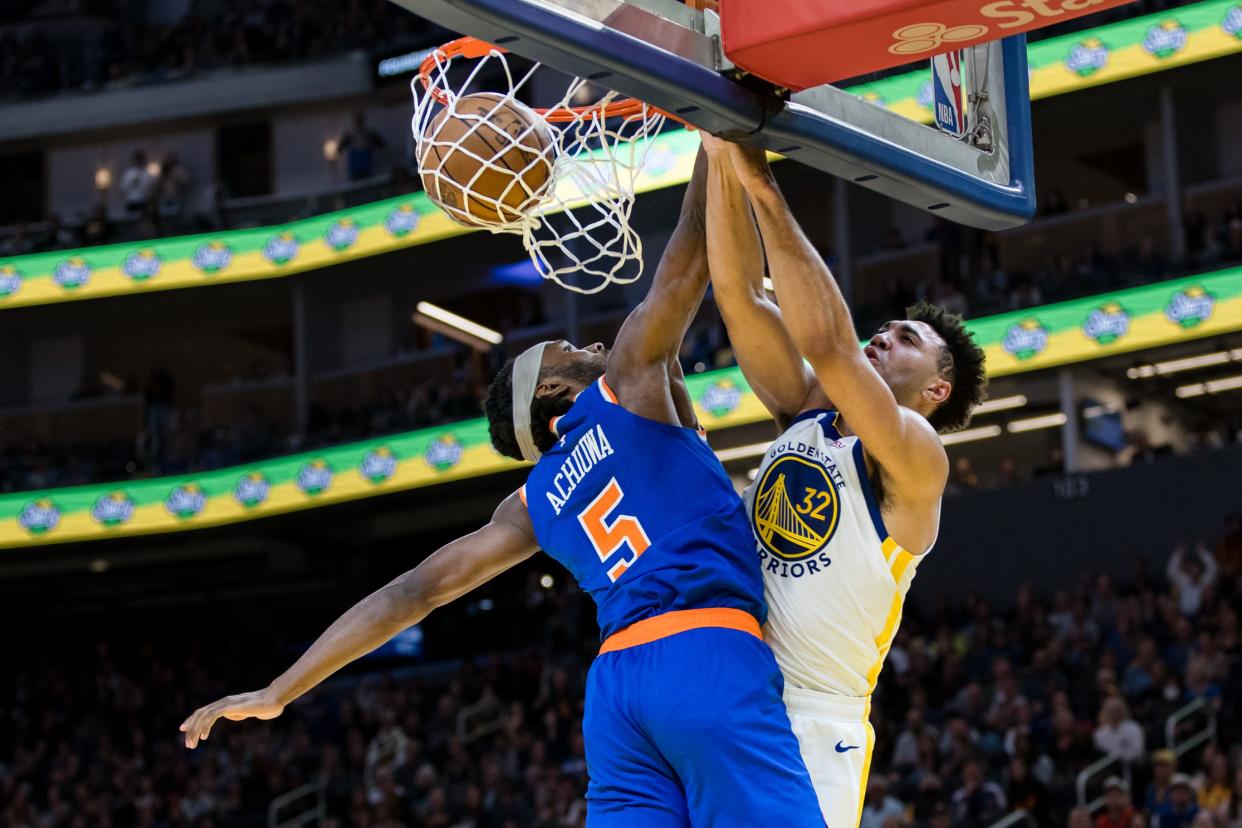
[[835, 582]]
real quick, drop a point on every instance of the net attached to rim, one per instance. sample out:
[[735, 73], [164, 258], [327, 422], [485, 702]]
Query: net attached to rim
[[575, 222]]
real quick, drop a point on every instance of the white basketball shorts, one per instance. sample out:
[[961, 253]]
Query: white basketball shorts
[[836, 741]]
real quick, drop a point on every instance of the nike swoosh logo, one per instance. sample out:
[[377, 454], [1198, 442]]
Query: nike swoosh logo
[[842, 748]]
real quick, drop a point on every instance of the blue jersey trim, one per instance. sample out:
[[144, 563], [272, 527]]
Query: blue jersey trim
[[828, 424], [868, 492]]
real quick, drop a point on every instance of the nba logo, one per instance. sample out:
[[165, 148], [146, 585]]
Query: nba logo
[[947, 93]]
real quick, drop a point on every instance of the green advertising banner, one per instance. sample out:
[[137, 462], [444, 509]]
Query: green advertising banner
[[1080, 330], [270, 252], [1063, 64]]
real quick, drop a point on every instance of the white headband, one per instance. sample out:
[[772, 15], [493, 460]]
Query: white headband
[[525, 381]]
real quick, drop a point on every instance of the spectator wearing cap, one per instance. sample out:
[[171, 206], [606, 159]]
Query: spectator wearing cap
[[1181, 809], [1118, 811], [1163, 766], [1118, 734]]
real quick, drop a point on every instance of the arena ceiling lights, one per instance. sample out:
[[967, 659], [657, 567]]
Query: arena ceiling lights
[[457, 328], [1190, 363], [1198, 389], [998, 404], [1036, 423]]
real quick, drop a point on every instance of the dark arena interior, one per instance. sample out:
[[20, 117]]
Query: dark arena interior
[[243, 361]]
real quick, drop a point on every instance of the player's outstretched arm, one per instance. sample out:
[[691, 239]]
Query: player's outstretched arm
[[901, 441], [641, 364], [449, 573], [765, 352]]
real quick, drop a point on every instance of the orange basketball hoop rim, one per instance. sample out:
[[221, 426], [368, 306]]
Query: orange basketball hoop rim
[[472, 48]]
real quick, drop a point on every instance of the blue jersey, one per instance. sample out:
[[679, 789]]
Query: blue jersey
[[642, 514]]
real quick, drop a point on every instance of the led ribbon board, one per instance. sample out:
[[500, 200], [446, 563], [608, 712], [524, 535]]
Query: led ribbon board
[[1083, 329]]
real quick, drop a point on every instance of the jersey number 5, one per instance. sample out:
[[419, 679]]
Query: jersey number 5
[[607, 537]]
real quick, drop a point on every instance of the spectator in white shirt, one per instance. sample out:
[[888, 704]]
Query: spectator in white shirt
[[1191, 576], [1118, 734], [137, 184]]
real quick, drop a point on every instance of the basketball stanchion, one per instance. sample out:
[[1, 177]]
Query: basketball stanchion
[[562, 177]]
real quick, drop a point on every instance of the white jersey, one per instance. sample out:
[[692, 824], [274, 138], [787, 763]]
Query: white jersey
[[834, 580]]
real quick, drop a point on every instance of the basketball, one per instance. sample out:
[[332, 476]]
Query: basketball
[[487, 158]]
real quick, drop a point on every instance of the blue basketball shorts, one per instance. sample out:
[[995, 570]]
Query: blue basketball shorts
[[691, 730]]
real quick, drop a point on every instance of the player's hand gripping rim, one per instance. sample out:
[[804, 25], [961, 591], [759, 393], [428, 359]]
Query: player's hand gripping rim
[[260, 704]]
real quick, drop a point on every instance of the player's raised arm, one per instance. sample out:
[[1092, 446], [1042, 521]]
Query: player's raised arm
[[899, 439], [448, 574], [765, 352], [640, 366]]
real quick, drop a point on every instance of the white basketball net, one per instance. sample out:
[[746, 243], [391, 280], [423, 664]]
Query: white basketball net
[[576, 227]]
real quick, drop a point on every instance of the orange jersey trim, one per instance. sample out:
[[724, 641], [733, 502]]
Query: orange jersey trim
[[611, 397], [678, 621]]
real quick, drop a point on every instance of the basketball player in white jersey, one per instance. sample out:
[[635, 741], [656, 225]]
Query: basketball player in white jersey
[[846, 503]]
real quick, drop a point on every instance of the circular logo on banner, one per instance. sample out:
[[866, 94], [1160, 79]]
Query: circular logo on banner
[[1025, 339], [113, 509], [186, 501], [378, 464], [251, 489], [926, 37], [10, 281], [1107, 323], [341, 235], [314, 477], [720, 397], [1190, 307], [212, 257], [401, 220], [444, 452], [141, 265], [795, 509], [72, 274], [281, 248], [38, 517], [1165, 39], [1087, 58]]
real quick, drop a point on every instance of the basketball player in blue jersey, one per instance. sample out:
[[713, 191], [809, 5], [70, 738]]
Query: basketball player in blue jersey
[[846, 502], [684, 721]]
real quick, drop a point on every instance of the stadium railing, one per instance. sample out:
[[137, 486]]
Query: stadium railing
[[1103, 765], [1019, 817], [1173, 735], [316, 813]]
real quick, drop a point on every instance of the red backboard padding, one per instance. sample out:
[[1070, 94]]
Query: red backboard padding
[[802, 43]]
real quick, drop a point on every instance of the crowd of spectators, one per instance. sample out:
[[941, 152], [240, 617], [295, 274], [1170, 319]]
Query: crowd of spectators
[[37, 60], [981, 710], [175, 441], [973, 281]]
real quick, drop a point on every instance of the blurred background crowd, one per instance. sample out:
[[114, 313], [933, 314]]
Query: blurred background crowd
[[980, 710]]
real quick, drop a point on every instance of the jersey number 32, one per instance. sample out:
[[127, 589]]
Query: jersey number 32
[[608, 536]]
